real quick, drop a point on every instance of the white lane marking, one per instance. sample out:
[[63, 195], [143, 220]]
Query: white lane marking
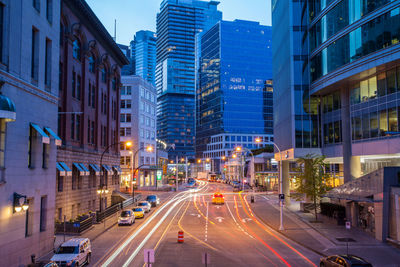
[[246, 220], [177, 198], [219, 219], [237, 224]]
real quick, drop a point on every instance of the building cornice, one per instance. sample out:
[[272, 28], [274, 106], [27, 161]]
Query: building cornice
[[86, 15]]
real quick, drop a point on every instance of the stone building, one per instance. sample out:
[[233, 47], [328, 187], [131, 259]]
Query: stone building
[[29, 37], [90, 63]]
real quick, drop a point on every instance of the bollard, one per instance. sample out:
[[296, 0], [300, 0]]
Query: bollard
[[33, 258], [252, 199], [180, 237]]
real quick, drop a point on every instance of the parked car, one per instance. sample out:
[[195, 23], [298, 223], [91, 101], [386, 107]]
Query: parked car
[[343, 260], [126, 217], [153, 200], [74, 252], [146, 206], [138, 212]]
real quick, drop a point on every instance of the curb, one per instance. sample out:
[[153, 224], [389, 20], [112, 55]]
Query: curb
[[290, 238]]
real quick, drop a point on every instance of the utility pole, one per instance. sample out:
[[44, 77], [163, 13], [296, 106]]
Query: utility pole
[[176, 174], [186, 168]]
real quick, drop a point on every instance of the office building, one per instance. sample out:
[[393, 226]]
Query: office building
[[128, 69], [29, 32], [88, 120], [337, 84], [138, 125], [234, 97], [177, 24], [144, 45]]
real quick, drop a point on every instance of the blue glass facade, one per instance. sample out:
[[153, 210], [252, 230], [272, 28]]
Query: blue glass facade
[[233, 95], [177, 24], [144, 45]]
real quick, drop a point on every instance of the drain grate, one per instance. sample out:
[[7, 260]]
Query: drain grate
[[345, 239]]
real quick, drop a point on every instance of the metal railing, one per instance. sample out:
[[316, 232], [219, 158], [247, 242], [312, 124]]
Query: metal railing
[[115, 208]]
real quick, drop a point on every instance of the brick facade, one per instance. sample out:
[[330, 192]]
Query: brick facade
[[90, 63]]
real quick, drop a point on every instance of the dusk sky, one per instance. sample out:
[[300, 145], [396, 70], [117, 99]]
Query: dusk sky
[[136, 15]]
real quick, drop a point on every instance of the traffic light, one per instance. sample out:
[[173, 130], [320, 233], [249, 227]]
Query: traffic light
[[224, 168]]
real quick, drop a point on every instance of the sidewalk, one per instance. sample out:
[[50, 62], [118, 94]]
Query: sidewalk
[[322, 237]]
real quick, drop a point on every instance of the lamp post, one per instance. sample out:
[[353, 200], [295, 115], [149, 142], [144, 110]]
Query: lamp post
[[243, 158], [148, 149], [101, 187], [281, 228]]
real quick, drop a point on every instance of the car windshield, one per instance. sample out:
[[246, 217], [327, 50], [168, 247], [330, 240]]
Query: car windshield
[[142, 204], [68, 250], [151, 197], [125, 214], [137, 209]]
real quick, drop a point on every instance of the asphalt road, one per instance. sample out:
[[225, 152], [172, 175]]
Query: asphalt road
[[230, 234]]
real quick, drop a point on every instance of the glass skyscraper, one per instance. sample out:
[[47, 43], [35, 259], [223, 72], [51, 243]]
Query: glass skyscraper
[[177, 24], [144, 54], [234, 94]]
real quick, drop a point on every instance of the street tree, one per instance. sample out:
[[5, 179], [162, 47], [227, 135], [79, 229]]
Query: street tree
[[312, 178]]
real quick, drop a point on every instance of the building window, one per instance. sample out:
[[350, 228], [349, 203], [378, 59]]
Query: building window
[[392, 114], [60, 183], [45, 156], [91, 64], [29, 219], [129, 90], [49, 10], [76, 49], [1, 31], [93, 97], [92, 132], [43, 213], [60, 76], [103, 75], [73, 84], [88, 132], [72, 126], [78, 127], [78, 87], [31, 148], [75, 177], [114, 84], [35, 55], [36, 4], [47, 64], [2, 142]]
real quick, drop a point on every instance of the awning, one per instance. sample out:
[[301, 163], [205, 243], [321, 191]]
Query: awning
[[7, 109], [95, 168], [45, 137], [55, 136], [60, 169], [87, 172], [78, 166], [108, 169], [117, 169], [66, 168]]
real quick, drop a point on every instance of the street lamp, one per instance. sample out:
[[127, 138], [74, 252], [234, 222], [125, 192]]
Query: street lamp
[[281, 228], [101, 187], [242, 149], [133, 170]]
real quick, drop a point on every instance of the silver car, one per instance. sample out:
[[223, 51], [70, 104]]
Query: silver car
[[146, 206]]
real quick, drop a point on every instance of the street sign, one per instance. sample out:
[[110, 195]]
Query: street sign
[[348, 225], [205, 258], [148, 255], [281, 196]]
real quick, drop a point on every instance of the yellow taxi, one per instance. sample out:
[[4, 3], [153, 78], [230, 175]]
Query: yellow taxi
[[138, 212], [218, 198]]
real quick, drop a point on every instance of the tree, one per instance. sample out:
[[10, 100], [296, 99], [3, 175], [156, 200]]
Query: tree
[[312, 179]]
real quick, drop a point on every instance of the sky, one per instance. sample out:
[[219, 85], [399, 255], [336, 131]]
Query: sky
[[136, 15]]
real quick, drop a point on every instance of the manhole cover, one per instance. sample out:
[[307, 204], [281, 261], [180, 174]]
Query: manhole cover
[[345, 239]]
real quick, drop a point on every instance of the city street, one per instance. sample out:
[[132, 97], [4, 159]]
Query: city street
[[230, 234]]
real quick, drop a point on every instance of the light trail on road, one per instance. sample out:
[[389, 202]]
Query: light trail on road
[[268, 230]]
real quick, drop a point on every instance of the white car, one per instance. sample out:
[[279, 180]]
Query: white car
[[126, 217], [74, 252], [146, 206]]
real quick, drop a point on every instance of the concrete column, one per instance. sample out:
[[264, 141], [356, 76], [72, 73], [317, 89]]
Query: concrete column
[[397, 214], [354, 214], [346, 133], [286, 181], [355, 167]]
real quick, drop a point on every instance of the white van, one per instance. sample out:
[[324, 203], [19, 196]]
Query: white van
[[74, 252]]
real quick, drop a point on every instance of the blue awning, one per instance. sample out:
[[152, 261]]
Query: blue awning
[[66, 168], [117, 169], [45, 137], [60, 169], [78, 166], [87, 172], [55, 136], [95, 168], [107, 168]]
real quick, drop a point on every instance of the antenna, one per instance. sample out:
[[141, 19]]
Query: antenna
[[115, 30]]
